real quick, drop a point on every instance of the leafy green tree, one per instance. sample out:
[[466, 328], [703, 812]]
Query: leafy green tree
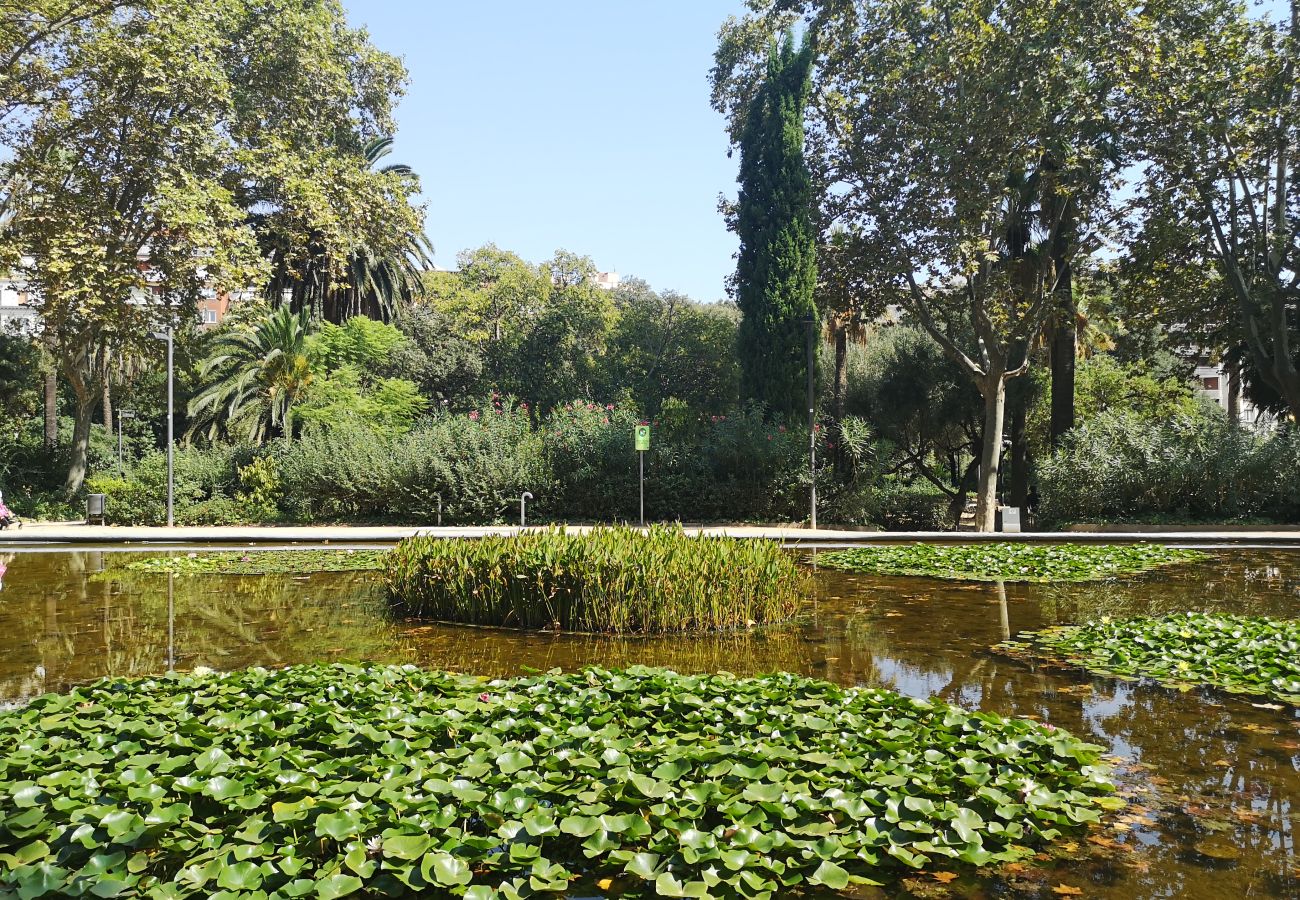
[[559, 351], [665, 346], [20, 373], [378, 281], [776, 269], [920, 405], [255, 378], [445, 364], [973, 145], [345, 396], [1217, 100], [173, 133]]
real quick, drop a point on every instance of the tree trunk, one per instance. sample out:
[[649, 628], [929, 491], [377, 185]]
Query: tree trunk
[[1063, 350], [995, 405], [841, 369], [1232, 372], [108, 408], [958, 504], [1019, 458], [84, 412], [51, 410]]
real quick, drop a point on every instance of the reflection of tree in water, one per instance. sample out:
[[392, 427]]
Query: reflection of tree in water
[[1245, 582], [117, 623]]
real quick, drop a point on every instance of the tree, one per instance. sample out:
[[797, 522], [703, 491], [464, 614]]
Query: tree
[[377, 282], [446, 365], [1218, 98], [921, 405], [776, 267], [974, 143], [664, 345], [255, 378], [175, 131]]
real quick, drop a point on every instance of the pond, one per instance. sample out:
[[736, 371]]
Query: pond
[[1217, 778]]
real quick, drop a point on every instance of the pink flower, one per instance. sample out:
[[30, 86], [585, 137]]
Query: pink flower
[[781, 428], [473, 416], [484, 698]]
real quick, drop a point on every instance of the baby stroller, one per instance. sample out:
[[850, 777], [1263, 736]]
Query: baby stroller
[[7, 516]]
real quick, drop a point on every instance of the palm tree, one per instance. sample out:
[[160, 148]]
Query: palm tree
[[257, 377], [377, 284]]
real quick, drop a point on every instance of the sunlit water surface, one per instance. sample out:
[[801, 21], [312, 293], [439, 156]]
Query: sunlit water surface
[[1216, 779]]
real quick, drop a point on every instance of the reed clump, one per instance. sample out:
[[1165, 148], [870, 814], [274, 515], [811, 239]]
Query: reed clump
[[607, 580]]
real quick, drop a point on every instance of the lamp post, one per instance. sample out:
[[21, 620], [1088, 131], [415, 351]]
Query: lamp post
[[122, 414], [168, 337], [811, 322]]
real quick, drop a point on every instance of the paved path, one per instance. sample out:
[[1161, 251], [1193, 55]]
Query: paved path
[[52, 534]]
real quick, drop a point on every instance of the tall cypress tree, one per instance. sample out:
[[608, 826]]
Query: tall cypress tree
[[777, 268]]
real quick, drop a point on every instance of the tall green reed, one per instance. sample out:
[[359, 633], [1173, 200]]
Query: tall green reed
[[610, 580]]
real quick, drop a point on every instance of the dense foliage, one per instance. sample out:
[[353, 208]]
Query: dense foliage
[[619, 580], [1123, 467], [1010, 562], [1239, 654], [327, 781]]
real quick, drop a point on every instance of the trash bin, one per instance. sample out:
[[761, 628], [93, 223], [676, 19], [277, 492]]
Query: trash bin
[[95, 505], [1010, 520]]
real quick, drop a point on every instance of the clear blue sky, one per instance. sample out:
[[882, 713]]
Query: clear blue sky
[[583, 125]]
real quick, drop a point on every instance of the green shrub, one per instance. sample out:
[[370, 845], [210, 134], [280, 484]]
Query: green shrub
[[604, 580], [1010, 562], [477, 463], [391, 781], [1239, 654], [913, 507], [205, 481], [1119, 467]]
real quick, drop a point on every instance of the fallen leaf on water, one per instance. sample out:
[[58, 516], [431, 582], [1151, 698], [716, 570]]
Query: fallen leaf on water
[[944, 877], [605, 883], [1064, 890], [1221, 762], [1267, 705]]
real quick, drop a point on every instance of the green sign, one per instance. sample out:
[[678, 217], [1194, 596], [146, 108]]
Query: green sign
[[643, 437]]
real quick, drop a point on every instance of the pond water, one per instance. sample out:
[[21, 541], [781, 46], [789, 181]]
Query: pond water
[[1216, 779]]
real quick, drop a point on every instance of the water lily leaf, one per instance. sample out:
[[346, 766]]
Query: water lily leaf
[[339, 826], [406, 846], [241, 876], [831, 875], [338, 885], [444, 869]]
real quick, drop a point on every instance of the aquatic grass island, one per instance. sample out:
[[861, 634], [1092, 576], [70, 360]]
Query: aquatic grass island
[[327, 781], [605, 580], [1011, 562]]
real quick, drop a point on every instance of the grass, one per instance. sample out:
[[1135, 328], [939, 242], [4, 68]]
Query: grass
[[261, 562], [1011, 562], [1239, 654], [610, 580], [330, 781]]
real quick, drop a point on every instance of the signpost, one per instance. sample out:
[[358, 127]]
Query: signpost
[[642, 445]]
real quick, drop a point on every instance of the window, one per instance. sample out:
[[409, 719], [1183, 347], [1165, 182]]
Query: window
[[210, 316], [1210, 383]]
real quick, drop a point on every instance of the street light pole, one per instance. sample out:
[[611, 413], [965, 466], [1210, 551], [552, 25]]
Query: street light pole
[[811, 322], [170, 441], [122, 414]]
